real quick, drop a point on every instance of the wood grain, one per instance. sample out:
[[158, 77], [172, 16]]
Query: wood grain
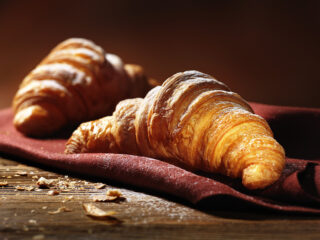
[[25, 214]]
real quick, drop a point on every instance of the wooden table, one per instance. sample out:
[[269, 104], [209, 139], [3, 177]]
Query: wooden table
[[31, 214]]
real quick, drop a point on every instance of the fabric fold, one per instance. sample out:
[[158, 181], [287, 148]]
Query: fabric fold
[[296, 191]]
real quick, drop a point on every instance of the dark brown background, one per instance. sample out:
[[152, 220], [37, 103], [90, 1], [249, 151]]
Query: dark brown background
[[268, 51]]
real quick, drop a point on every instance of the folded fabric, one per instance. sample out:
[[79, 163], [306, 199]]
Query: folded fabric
[[298, 189]]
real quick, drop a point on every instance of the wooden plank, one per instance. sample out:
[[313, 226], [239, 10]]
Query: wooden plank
[[25, 214]]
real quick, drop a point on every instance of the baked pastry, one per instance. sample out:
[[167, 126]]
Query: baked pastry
[[76, 82], [192, 118]]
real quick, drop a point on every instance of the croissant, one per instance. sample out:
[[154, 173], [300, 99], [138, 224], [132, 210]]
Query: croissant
[[192, 118], [76, 82]]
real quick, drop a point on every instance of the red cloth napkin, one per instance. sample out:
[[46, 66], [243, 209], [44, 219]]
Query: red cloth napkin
[[298, 189]]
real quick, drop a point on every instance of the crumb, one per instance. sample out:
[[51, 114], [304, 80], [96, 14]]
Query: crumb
[[93, 211], [20, 188], [45, 183], [3, 184], [100, 186], [32, 221], [53, 193], [32, 211], [111, 195], [9, 176], [44, 207], [24, 188], [59, 210], [114, 192], [104, 198], [22, 173], [35, 177]]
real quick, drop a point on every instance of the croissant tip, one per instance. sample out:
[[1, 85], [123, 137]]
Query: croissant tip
[[73, 147], [36, 121], [259, 176], [69, 149], [77, 141]]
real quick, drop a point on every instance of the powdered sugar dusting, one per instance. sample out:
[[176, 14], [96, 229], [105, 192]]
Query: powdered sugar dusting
[[115, 61], [38, 86], [154, 208], [55, 70]]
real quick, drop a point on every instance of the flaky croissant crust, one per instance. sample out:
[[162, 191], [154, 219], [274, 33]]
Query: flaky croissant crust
[[76, 82], [192, 118]]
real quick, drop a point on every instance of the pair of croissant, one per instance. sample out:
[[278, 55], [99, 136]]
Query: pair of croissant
[[191, 117]]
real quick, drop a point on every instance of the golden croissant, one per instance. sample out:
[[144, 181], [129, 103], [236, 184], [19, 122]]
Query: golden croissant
[[76, 82], [192, 118]]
